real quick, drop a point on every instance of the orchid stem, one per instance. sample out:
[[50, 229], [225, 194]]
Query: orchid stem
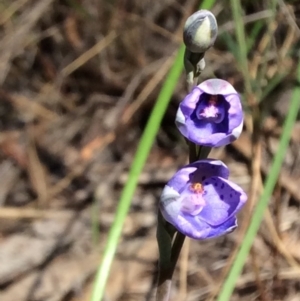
[[166, 269], [169, 256]]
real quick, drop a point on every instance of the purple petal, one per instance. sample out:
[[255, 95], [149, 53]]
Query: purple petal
[[235, 111], [189, 103], [199, 229], [204, 133], [208, 168], [197, 172], [180, 123], [182, 176], [223, 200], [170, 204], [192, 226], [216, 86], [225, 228]]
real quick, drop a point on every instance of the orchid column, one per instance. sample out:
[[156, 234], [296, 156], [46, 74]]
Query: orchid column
[[199, 201]]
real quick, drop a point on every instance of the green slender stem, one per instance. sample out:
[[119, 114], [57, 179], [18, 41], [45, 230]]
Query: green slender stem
[[167, 266], [165, 233], [164, 239], [193, 152], [168, 255], [168, 258], [271, 180], [203, 152]]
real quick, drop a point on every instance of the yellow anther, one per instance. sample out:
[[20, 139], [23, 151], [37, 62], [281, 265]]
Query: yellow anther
[[196, 187]]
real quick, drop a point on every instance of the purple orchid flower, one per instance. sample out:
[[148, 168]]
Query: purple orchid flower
[[200, 201], [211, 115]]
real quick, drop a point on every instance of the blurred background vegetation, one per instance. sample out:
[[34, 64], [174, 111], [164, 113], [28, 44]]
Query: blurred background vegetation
[[78, 81]]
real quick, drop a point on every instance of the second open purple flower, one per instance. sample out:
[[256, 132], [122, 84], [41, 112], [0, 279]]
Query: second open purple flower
[[200, 201], [211, 115]]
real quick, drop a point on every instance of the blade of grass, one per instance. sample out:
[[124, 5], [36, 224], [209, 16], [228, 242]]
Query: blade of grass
[[269, 35], [257, 26], [140, 158], [242, 44], [230, 43], [257, 217], [141, 155]]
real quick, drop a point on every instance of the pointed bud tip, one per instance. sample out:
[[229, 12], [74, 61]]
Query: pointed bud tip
[[200, 31]]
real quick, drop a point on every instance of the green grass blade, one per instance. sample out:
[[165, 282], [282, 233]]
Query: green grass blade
[[257, 27], [136, 168], [242, 43], [257, 217], [142, 152], [230, 43], [207, 4]]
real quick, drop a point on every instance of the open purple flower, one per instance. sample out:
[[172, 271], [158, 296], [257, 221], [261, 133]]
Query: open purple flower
[[200, 201], [211, 114]]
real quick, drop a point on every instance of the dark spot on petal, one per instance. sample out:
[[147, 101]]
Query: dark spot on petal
[[222, 186], [230, 195], [216, 184], [222, 197]]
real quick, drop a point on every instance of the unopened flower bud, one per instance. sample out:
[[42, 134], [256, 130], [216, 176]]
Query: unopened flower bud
[[200, 31]]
